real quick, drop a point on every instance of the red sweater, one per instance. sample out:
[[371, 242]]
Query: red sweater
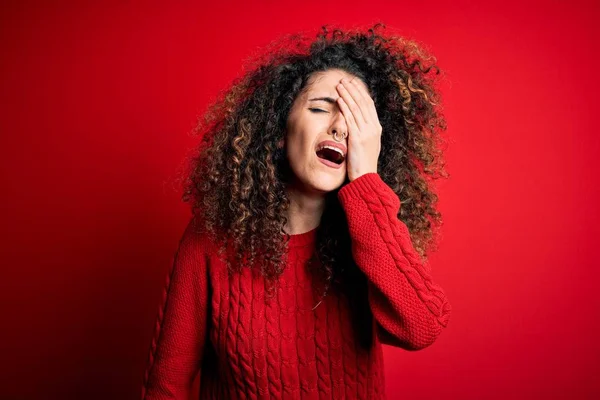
[[246, 347]]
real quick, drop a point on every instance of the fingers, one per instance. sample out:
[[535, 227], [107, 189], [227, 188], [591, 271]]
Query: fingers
[[370, 104], [358, 101], [353, 99], [349, 116]]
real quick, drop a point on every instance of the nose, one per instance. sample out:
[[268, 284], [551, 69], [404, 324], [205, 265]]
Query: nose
[[338, 128]]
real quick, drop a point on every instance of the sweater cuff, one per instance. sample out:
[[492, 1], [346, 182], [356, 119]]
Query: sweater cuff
[[367, 183]]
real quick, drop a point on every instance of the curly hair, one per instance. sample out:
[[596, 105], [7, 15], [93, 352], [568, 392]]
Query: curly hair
[[236, 181]]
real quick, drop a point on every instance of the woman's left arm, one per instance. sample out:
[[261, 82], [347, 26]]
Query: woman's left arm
[[409, 308]]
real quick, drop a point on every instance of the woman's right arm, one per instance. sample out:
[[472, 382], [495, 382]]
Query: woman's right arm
[[179, 336]]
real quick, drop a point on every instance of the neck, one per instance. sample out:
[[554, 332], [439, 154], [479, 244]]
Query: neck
[[305, 211]]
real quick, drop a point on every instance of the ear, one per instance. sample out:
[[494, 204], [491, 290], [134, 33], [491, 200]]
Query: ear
[[280, 144]]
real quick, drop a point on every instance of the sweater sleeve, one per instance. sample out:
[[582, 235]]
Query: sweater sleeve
[[179, 336], [410, 310]]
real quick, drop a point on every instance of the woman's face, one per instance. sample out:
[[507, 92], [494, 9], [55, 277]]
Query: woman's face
[[313, 118]]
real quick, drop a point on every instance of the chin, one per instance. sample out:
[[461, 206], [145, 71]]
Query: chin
[[328, 182], [320, 179]]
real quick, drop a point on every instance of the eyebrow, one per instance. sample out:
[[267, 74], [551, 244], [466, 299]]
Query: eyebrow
[[327, 99]]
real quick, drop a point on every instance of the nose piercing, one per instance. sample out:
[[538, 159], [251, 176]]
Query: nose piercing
[[337, 138]]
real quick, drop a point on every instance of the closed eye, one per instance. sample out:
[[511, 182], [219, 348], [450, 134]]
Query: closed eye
[[317, 110]]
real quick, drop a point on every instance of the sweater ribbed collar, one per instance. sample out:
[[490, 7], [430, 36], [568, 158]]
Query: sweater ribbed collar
[[303, 239]]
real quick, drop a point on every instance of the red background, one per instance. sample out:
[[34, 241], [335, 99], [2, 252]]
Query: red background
[[98, 102]]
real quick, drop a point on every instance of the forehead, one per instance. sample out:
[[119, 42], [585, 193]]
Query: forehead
[[325, 82]]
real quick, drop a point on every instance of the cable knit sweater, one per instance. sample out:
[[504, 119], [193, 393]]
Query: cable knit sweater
[[245, 345]]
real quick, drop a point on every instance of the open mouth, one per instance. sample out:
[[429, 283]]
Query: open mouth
[[331, 154]]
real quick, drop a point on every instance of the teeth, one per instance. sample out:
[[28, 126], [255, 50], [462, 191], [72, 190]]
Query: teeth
[[332, 148]]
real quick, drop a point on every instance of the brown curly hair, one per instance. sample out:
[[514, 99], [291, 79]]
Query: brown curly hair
[[236, 176]]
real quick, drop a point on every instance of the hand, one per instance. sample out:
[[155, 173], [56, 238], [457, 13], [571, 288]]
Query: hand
[[364, 129]]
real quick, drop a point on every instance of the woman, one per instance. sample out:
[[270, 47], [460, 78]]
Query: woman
[[299, 261]]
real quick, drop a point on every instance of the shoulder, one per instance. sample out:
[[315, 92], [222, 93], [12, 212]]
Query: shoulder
[[196, 241]]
